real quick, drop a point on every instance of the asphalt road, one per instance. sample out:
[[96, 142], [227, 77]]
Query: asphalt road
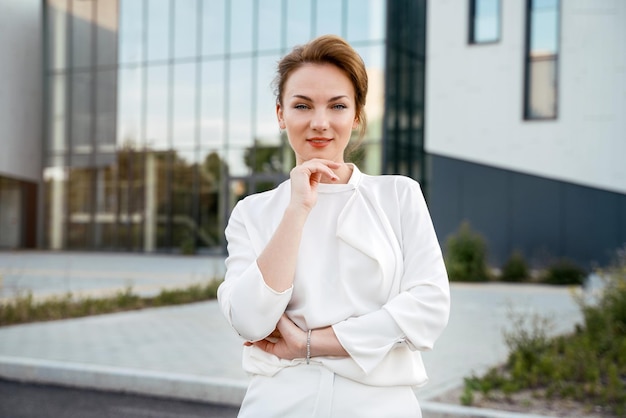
[[19, 400]]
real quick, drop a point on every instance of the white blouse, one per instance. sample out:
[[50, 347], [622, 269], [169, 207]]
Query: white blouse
[[369, 264]]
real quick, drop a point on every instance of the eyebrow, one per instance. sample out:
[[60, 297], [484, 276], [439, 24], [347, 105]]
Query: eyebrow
[[332, 99]]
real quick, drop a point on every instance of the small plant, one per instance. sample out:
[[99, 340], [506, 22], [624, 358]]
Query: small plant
[[587, 366], [564, 272], [467, 397], [467, 256], [188, 245], [25, 308], [515, 269]]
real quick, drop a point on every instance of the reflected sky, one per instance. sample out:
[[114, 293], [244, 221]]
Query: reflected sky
[[193, 75], [544, 32]]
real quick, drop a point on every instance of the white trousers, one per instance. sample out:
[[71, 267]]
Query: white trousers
[[314, 391]]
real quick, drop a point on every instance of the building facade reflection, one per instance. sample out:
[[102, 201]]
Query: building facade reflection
[[160, 113]]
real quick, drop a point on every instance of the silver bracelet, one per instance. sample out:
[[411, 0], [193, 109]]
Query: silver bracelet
[[308, 347]]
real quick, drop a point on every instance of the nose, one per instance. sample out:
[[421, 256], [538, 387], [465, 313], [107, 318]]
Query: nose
[[319, 122]]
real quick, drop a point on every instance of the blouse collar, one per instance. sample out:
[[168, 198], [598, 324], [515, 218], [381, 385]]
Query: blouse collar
[[352, 183]]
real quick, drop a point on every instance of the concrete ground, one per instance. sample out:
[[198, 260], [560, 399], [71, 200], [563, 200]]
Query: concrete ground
[[190, 352]]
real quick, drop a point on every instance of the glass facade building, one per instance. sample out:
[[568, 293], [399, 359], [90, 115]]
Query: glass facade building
[[160, 114]]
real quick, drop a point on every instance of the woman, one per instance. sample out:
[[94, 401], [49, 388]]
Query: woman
[[335, 278]]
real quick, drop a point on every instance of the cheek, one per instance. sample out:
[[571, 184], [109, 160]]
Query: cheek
[[293, 120], [347, 123]]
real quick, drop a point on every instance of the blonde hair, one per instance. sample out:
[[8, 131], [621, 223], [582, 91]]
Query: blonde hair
[[328, 49]]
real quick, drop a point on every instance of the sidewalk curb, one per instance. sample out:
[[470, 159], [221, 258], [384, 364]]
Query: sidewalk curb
[[169, 385], [472, 412], [174, 385]]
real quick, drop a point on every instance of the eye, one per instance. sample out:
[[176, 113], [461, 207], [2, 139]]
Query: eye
[[339, 106], [301, 106]]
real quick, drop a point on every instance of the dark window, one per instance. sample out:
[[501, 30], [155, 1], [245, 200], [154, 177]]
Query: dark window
[[484, 21], [542, 58]]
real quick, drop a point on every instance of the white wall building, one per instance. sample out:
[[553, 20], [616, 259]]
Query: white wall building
[[511, 114], [21, 104], [552, 185]]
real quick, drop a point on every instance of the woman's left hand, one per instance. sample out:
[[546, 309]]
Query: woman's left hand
[[286, 342]]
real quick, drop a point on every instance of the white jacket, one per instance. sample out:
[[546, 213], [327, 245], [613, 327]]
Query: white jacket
[[369, 265]]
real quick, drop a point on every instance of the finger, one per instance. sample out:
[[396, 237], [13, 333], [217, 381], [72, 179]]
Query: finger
[[318, 170], [264, 345], [275, 333]]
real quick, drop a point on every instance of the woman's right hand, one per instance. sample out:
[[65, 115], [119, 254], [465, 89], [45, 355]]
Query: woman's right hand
[[305, 178]]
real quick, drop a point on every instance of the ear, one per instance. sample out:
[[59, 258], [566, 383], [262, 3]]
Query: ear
[[279, 116], [355, 124]]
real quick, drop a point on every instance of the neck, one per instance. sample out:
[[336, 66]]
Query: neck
[[344, 173]]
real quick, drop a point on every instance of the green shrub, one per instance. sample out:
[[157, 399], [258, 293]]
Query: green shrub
[[466, 256], [587, 366], [564, 272], [515, 269], [188, 245]]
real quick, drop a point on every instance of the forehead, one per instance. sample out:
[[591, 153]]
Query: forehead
[[318, 78]]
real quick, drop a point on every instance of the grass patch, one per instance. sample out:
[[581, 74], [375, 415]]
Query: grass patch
[[23, 309], [587, 366]]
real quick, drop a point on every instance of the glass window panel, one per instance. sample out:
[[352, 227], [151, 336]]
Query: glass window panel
[[235, 158], [80, 116], [131, 171], [374, 59], [160, 183], [183, 180], [106, 32], [55, 189], [158, 28], [267, 130], [239, 106], [152, 198], [185, 28], [209, 187], [542, 80], [106, 101], [107, 181], [157, 107], [129, 107], [544, 30], [213, 27], [485, 21], [366, 20], [82, 47], [241, 18], [270, 14], [105, 200], [130, 31], [542, 60], [184, 105], [329, 17], [298, 22], [238, 189], [57, 34], [80, 203], [212, 118], [58, 111]]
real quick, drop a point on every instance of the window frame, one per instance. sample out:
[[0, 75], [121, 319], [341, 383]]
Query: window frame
[[528, 60], [471, 34]]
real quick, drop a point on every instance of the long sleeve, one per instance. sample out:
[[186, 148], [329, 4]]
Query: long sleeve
[[251, 307], [369, 265], [419, 312]]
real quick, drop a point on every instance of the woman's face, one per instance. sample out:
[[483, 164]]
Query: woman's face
[[318, 112]]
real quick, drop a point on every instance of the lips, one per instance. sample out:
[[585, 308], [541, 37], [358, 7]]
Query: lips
[[319, 142]]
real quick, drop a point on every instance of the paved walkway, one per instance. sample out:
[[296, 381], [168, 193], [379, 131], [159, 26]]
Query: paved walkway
[[190, 351]]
